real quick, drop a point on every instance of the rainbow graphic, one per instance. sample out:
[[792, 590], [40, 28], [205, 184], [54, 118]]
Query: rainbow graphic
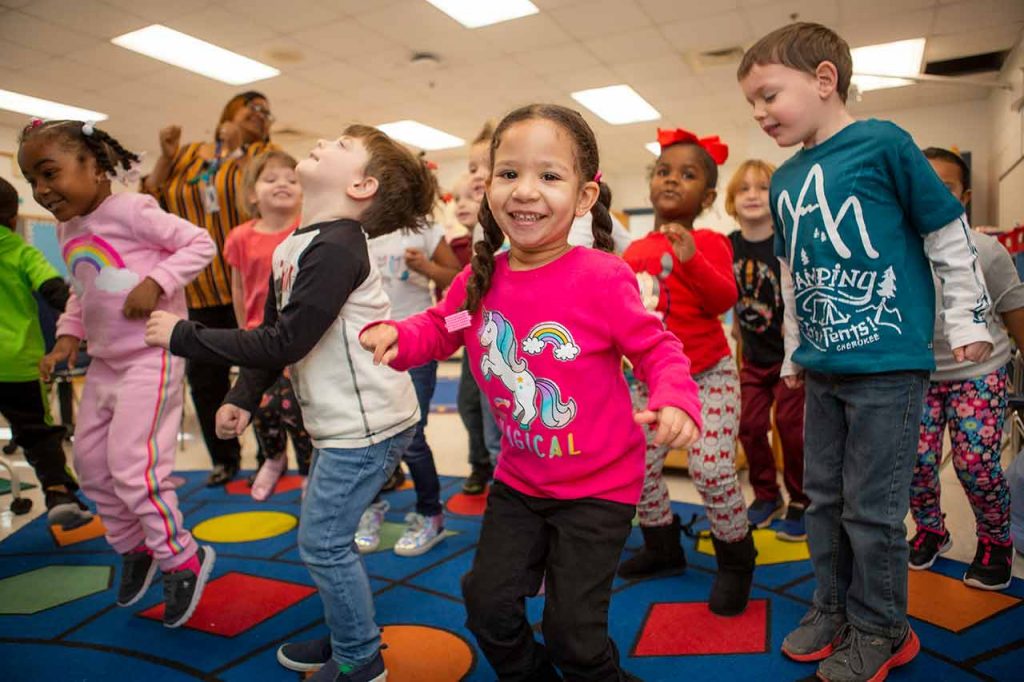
[[555, 335], [91, 250]]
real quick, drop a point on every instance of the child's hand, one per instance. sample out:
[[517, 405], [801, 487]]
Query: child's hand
[[142, 300], [794, 381], [231, 421], [681, 239], [159, 328], [675, 428], [975, 352], [170, 141], [66, 348], [382, 341], [417, 261]]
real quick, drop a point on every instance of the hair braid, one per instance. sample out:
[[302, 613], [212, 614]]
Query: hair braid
[[483, 259]]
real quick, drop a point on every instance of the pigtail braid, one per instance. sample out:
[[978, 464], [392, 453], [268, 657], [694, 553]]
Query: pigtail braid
[[601, 225], [483, 259]]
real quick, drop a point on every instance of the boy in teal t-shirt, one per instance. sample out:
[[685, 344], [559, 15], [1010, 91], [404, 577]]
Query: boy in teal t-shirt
[[860, 215], [23, 270]]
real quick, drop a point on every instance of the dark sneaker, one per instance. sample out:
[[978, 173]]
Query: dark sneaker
[[815, 637], [304, 657], [183, 589], [396, 480], [926, 546], [221, 475], [992, 568], [137, 572], [477, 482], [762, 512], [792, 528], [65, 509], [374, 671], [864, 657]]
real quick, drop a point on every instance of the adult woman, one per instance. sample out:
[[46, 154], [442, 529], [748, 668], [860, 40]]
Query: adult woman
[[201, 182]]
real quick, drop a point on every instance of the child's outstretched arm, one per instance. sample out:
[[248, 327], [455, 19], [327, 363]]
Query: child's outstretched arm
[[707, 270], [422, 337], [965, 299]]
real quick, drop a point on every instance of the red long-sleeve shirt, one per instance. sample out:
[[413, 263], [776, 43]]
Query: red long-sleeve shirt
[[693, 294]]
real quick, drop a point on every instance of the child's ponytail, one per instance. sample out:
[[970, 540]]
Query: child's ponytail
[[482, 263], [111, 157], [601, 225]]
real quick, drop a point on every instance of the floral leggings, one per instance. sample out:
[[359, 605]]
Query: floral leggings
[[712, 458], [974, 410], [277, 417]]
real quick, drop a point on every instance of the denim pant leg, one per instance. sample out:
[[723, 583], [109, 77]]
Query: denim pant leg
[[342, 483], [492, 432], [418, 455], [470, 412]]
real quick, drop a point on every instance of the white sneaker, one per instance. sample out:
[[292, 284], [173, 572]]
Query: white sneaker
[[422, 533], [368, 532]]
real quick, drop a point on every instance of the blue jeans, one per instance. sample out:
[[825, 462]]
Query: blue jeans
[[342, 483], [860, 445], [418, 455], [475, 411]]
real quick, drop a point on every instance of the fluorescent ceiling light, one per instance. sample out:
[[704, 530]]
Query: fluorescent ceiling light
[[477, 13], [617, 104], [881, 62], [44, 108], [654, 148], [186, 52], [422, 136]]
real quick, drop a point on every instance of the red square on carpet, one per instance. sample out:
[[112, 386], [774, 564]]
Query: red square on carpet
[[690, 629], [235, 602], [288, 482]]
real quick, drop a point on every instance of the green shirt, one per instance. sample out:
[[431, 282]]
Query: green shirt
[[23, 269]]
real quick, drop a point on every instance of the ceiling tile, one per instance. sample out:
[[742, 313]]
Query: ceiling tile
[[572, 81], [300, 13], [711, 33], [94, 18], [538, 31], [223, 28], [864, 11], [159, 11], [110, 57], [646, 43], [602, 17], [674, 10], [667, 72], [966, 16], [334, 75], [890, 28], [406, 20], [22, 29], [71, 73], [15, 57], [765, 18], [562, 58], [345, 38], [978, 41]]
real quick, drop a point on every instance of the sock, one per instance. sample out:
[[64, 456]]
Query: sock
[[191, 565]]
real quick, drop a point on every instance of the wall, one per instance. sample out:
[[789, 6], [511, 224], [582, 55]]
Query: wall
[[1007, 127]]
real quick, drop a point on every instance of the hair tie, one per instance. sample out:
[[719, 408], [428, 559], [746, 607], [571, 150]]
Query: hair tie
[[713, 145], [35, 123], [597, 177], [88, 128]]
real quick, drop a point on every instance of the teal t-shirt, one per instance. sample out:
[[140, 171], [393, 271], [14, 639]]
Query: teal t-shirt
[[852, 214], [23, 269]]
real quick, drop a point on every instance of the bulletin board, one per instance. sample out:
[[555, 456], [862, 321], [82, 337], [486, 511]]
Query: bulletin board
[[41, 232]]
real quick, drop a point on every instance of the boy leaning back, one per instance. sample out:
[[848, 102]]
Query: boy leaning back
[[860, 216]]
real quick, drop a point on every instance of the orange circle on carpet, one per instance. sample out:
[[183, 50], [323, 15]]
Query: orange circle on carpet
[[468, 505], [417, 653]]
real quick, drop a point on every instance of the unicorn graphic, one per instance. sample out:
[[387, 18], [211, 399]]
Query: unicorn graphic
[[500, 360]]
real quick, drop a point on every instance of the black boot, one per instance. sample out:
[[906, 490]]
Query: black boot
[[731, 591], [662, 554]]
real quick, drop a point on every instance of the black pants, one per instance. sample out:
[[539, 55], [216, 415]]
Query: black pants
[[279, 417], [472, 415], [575, 546], [21, 404], [210, 383]]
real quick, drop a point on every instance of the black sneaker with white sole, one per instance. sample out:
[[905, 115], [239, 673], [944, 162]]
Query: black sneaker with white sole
[[305, 656], [926, 546], [183, 589], [992, 568], [137, 572]]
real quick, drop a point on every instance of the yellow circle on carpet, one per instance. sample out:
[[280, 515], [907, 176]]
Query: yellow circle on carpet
[[417, 653], [770, 550], [245, 526]]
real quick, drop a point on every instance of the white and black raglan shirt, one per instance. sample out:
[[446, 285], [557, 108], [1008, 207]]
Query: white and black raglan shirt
[[325, 289]]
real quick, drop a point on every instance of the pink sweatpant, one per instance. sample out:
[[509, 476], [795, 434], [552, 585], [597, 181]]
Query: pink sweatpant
[[124, 451]]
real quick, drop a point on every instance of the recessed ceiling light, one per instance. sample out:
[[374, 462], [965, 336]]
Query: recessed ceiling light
[[187, 52], [876, 67], [477, 13], [422, 136], [654, 148], [617, 104], [44, 108]]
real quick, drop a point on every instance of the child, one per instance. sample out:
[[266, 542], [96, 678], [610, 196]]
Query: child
[[24, 270], [467, 207], [272, 194], [859, 215], [408, 263], [361, 418], [972, 399], [126, 258], [694, 268], [571, 463], [759, 315]]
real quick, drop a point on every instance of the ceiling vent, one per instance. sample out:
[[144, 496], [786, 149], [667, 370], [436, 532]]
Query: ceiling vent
[[970, 65]]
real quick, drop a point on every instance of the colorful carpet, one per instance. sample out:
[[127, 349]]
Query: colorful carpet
[[58, 621]]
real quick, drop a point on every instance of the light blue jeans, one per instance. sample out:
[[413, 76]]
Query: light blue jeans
[[343, 483]]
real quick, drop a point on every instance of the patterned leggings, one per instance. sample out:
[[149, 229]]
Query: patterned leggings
[[278, 417], [712, 458], [974, 410]]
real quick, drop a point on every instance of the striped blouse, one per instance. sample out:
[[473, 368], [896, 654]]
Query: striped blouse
[[182, 195]]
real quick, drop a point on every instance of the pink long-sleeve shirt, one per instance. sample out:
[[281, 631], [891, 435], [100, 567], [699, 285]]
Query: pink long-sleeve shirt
[[109, 252], [546, 348]]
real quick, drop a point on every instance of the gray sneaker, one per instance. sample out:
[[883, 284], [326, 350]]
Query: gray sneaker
[[815, 637], [863, 657]]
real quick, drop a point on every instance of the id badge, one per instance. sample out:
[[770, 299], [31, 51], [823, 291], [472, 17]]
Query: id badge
[[210, 199]]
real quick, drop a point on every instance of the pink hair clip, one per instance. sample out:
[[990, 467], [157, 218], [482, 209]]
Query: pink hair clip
[[35, 123], [597, 177]]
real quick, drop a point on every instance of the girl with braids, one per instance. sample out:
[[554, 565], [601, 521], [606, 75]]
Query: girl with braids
[[126, 258], [361, 418], [693, 269], [545, 325]]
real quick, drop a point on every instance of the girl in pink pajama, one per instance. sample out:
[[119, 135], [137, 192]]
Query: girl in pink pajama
[[126, 257]]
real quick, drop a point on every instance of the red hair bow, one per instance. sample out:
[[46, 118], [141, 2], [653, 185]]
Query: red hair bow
[[713, 145]]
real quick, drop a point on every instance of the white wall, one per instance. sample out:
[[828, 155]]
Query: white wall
[[1007, 126]]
